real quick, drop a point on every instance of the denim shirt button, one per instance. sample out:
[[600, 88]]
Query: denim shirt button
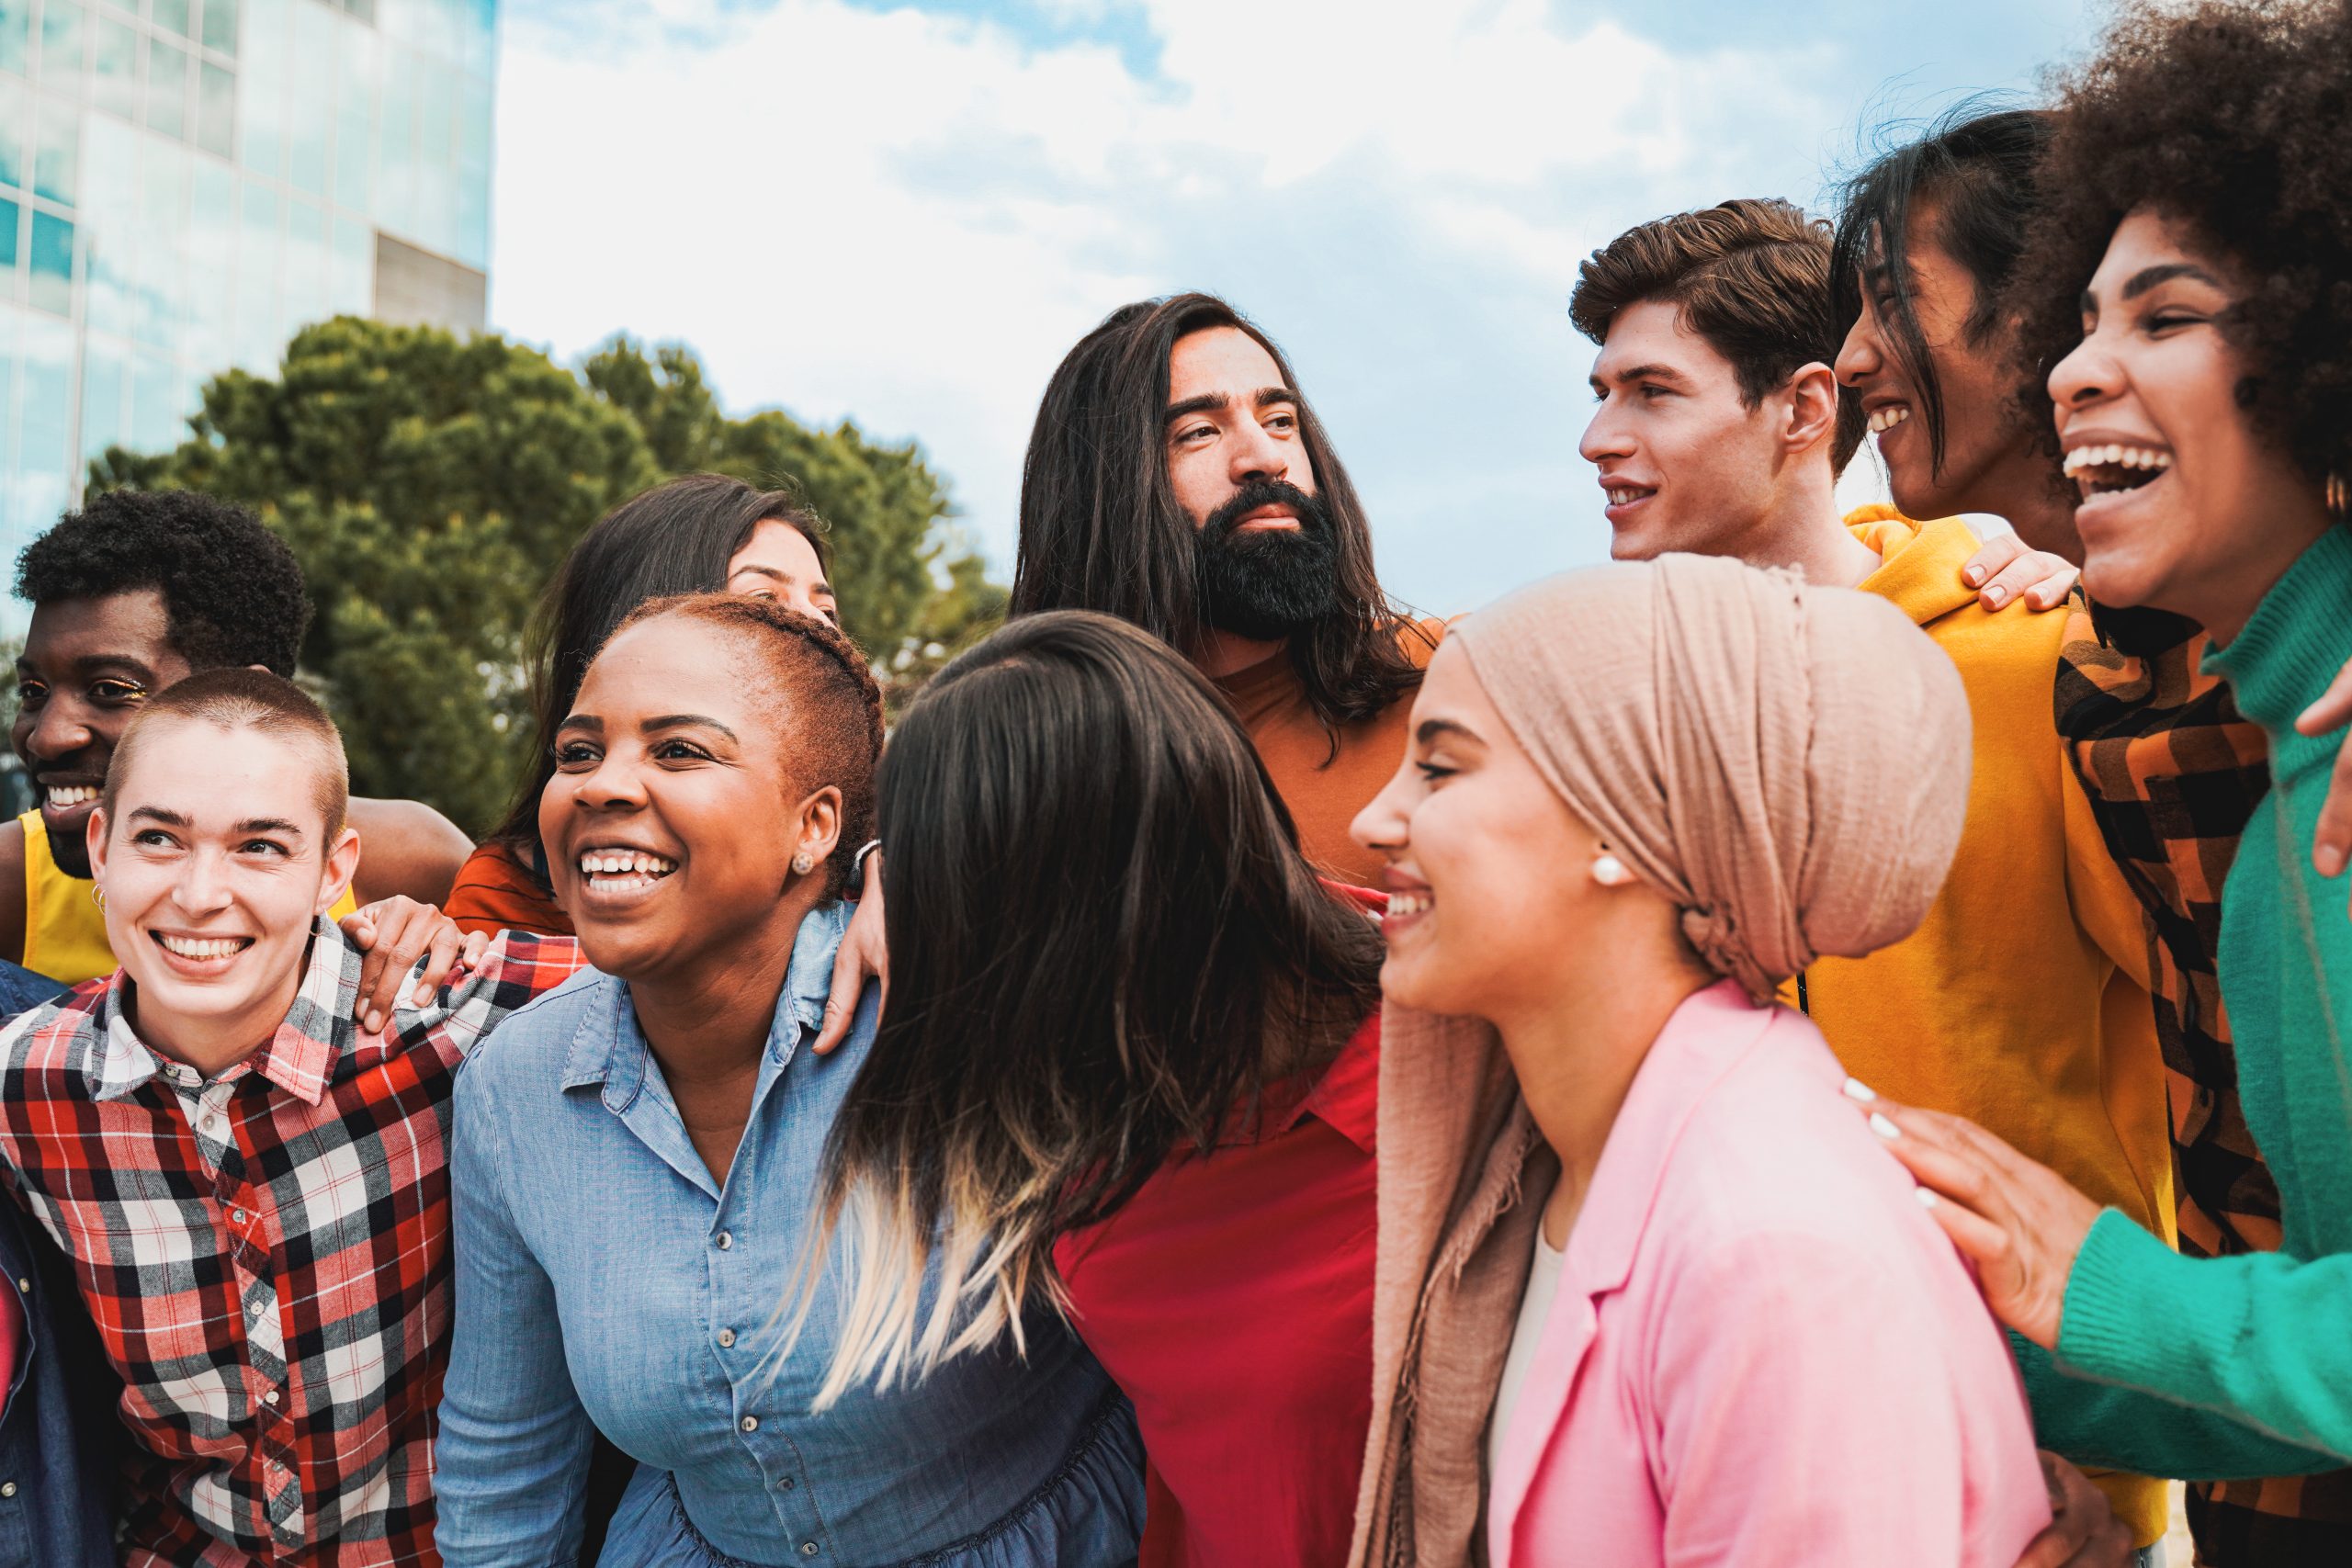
[[785, 1484], [726, 1338], [808, 1548], [750, 1423], [726, 1240], [7, 1489]]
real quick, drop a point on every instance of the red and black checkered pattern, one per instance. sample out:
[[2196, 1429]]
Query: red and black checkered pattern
[[266, 1253], [2173, 771]]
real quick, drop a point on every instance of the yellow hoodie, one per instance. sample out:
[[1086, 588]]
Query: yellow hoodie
[[2020, 1002]]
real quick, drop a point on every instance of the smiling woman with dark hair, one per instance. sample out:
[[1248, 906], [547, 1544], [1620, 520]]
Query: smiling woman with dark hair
[[697, 535], [2188, 290], [632, 1174]]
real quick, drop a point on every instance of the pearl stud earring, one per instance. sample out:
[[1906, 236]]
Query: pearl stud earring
[[803, 863], [1608, 871]]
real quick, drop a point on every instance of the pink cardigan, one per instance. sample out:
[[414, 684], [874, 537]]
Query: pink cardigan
[[1763, 1351]]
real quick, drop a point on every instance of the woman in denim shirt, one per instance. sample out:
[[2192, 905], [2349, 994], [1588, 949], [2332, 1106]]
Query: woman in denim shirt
[[634, 1163]]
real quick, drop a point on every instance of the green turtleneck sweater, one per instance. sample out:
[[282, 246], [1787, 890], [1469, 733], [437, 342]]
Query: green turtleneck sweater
[[2264, 1340]]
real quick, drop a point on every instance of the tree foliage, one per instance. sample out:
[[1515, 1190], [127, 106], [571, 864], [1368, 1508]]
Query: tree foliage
[[429, 484]]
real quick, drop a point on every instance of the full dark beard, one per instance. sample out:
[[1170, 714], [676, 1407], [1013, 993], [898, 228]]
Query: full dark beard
[[1266, 584]]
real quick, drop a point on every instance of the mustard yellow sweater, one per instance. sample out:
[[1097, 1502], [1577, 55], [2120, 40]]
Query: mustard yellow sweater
[[2020, 1001]]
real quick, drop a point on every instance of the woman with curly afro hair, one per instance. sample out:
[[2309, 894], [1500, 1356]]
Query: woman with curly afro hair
[[2188, 290]]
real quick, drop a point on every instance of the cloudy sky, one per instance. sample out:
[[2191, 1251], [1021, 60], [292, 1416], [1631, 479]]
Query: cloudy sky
[[904, 211]]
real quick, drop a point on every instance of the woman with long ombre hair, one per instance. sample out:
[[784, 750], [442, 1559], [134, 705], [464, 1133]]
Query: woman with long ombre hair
[[1128, 1065], [2186, 295]]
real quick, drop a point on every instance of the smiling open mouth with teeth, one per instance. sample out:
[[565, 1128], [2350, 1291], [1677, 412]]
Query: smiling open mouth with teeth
[[1410, 903], [1626, 495], [2103, 470], [1886, 419], [623, 871], [65, 797], [202, 946]]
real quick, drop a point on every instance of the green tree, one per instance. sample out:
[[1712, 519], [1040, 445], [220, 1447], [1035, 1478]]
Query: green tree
[[429, 484]]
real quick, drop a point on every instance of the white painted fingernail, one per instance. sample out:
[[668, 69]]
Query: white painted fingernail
[[1857, 1089], [1885, 1128], [1927, 1199]]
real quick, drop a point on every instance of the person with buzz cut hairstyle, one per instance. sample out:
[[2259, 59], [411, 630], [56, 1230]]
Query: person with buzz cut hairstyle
[[2020, 999], [136, 590], [249, 1185]]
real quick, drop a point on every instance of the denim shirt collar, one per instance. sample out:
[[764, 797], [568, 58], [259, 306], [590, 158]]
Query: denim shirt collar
[[609, 1048]]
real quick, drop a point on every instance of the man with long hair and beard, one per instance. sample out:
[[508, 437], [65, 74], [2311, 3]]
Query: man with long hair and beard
[[1178, 479]]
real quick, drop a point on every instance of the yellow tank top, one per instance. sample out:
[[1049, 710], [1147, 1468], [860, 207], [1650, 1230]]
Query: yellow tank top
[[66, 933]]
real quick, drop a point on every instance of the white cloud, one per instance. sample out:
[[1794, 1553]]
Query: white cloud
[[908, 218]]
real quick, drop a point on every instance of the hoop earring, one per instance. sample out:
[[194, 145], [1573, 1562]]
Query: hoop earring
[[2339, 495], [803, 863], [98, 894]]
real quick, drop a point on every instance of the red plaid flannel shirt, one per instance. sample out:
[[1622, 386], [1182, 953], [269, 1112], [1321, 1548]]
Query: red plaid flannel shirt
[[2173, 771], [267, 1255]]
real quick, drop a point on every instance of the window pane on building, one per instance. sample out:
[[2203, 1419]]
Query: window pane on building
[[57, 148], [221, 25], [15, 128], [114, 67], [15, 44], [61, 45], [216, 114], [53, 263], [167, 73]]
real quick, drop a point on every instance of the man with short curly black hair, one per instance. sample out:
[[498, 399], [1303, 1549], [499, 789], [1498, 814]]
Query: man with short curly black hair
[[135, 592]]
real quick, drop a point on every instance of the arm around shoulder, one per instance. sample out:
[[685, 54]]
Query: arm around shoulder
[[2250, 1358], [406, 846]]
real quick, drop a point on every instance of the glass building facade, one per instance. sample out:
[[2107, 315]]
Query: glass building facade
[[186, 183]]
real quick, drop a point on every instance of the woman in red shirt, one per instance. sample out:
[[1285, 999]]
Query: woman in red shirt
[[1129, 1059]]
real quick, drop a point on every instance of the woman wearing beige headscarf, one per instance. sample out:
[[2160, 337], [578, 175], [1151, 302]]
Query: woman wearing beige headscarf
[[1647, 1291]]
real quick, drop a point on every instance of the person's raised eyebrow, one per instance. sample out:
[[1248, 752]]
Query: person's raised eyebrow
[[1203, 402], [587, 721], [1276, 397], [1431, 730], [2148, 277], [168, 818], [268, 825]]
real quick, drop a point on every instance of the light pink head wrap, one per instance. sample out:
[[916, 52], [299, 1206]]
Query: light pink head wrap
[[1789, 764]]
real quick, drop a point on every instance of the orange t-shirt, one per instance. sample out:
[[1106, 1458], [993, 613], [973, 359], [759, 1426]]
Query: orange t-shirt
[[494, 893], [1323, 789]]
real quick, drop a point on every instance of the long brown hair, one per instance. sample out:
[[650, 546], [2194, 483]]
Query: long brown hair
[[1103, 941], [1101, 529]]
